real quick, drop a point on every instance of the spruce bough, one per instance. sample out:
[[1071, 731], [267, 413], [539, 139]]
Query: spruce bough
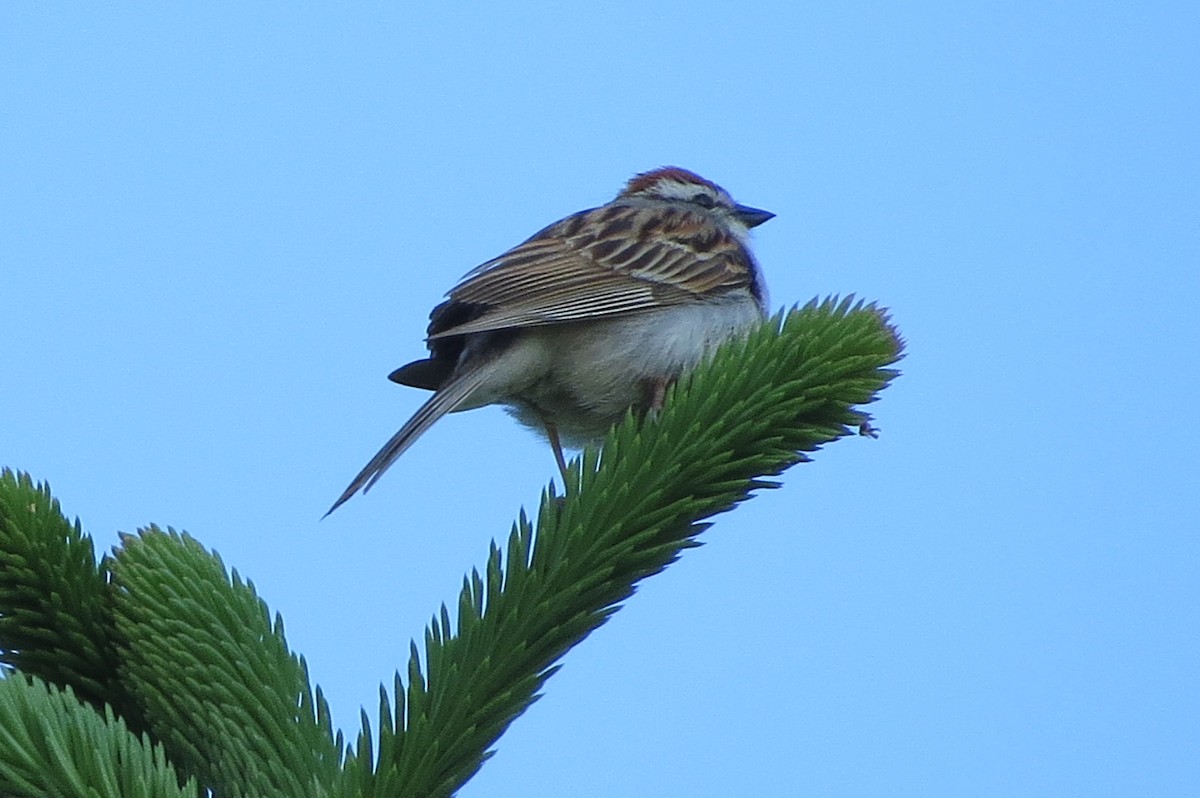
[[157, 670]]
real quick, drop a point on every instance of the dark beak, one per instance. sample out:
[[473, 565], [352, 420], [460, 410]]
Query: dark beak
[[752, 217]]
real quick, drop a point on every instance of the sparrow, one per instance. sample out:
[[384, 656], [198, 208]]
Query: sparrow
[[596, 314]]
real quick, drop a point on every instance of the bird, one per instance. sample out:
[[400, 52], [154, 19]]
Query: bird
[[593, 315]]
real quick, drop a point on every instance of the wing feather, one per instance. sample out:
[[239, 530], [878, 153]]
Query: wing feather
[[608, 261]]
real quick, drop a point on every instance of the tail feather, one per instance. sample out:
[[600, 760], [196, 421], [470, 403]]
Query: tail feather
[[450, 396]]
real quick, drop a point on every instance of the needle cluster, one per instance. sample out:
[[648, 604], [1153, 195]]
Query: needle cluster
[[159, 672]]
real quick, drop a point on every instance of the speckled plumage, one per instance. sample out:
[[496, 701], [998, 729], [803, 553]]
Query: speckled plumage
[[590, 316]]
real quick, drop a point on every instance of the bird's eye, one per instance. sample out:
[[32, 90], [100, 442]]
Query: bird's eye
[[704, 201]]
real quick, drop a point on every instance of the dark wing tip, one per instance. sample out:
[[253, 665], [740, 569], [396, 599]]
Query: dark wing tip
[[429, 374]]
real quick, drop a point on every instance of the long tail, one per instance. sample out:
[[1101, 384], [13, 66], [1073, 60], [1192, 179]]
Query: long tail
[[450, 396]]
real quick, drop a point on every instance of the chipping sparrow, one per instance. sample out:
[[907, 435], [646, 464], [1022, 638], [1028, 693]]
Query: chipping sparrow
[[597, 313]]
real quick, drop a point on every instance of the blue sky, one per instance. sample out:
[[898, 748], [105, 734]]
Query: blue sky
[[222, 226]]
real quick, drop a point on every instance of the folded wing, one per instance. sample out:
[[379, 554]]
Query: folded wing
[[605, 262]]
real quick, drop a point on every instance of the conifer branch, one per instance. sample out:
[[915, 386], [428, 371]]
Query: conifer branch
[[754, 410], [161, 633]]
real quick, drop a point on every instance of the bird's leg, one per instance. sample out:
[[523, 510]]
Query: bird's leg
[[659, 396], [556, 444], [656, 387]]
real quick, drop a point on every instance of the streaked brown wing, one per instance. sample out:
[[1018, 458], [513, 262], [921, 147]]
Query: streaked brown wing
[[604, 262]]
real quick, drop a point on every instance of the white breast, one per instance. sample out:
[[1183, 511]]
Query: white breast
[[586, 375]]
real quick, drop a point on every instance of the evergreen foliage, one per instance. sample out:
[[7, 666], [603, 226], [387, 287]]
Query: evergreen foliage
[[52, 744], [161, 639]]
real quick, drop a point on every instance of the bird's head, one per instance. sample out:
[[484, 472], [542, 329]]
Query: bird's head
[[676, 186]]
